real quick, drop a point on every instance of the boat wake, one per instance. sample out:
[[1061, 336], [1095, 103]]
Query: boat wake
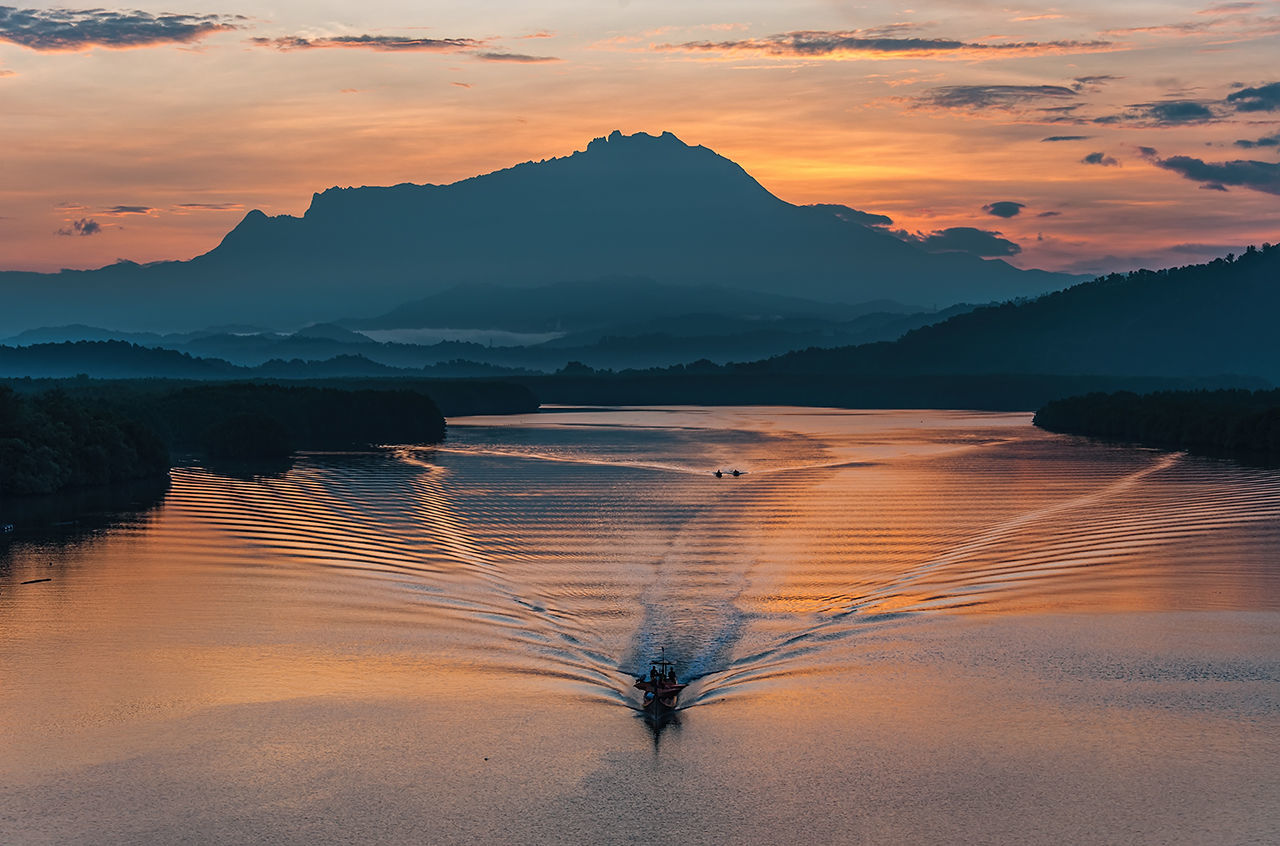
[[563, 570]]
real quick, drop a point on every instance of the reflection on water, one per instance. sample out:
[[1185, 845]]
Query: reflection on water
[[888, 605], [75, 517]]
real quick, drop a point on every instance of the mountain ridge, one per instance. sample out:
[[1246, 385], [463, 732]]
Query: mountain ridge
[[637, 205]]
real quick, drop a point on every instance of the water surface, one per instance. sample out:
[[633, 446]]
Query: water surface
[[897, 626]]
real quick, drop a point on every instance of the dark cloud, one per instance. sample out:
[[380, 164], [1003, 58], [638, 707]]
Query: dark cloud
[[990, 96], [1258, 176], [1264, 98], [1214, 186], [119, 210], [383, 43], [985, 243], [1067, 138], [852, 215], [1049, 214], [1176, 111], [520, 58], [1165, 113], [51, 30], [6, 72], [1004, 208], [209, 206], [1099, 159], [83, 226], [1265, 141], [400, 44], [821, 43]]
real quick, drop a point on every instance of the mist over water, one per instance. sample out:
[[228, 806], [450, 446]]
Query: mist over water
[[894, 624]]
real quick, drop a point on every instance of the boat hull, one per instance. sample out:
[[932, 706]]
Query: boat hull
[[660, 698]]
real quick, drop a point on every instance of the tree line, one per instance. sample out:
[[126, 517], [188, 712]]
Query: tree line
[[1226, 422], [56, 440], [51, 442]]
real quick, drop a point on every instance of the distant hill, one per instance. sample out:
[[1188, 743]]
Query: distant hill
[[627, 205], [614, 324], [123, 360], [1197, 321], [599, 303]]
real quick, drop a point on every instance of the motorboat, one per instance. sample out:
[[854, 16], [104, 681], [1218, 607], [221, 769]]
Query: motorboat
[[661, 690]]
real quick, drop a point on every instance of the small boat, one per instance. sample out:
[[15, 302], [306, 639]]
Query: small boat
[[661, 691], [719, 474], [737, 473]]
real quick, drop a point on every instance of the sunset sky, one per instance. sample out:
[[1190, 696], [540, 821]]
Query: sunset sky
[[1096, 136]]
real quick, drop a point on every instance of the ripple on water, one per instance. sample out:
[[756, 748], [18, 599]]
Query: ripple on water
[[578, 557]]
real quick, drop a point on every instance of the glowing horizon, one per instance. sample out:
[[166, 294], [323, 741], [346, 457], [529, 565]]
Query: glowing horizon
[[1106, 138]]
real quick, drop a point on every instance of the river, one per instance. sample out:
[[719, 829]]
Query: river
[[897, 626]]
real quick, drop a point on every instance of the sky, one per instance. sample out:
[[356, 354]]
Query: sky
[[1092, 137]]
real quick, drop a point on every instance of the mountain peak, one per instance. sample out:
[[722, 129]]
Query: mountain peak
[[617, 141]]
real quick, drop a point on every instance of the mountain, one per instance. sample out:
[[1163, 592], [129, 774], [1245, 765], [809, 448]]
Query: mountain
[[1199, 321], [635, 205]]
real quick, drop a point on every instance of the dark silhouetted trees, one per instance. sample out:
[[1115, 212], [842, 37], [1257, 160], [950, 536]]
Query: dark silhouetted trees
[[50, 442], [1210, 422], [252, 420]]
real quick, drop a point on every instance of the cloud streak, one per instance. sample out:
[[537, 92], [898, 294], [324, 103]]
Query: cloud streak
[[1170, 112], [66, 30], [186, 208], [518, 58], [1215, 176], [1264, 98], [480, 48], [991, 96], [381, 43], [1264, 141], [874, 43], [984, 243]]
